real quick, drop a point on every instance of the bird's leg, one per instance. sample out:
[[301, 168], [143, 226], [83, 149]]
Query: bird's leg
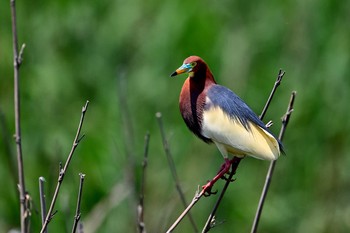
[[225, 167], [234, 164]]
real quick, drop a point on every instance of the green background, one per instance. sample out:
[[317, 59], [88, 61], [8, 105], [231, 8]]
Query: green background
[[119, 55]]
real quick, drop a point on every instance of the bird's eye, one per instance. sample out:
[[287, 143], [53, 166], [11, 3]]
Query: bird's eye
[[193, 64]]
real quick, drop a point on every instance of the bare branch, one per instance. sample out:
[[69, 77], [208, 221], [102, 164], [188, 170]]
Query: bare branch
[[285, 120], [42, 200], [141, 208], [64, 169], [17, 61], [172, 168], [211, 222], [275, 86], [77, 211], [195, 199]]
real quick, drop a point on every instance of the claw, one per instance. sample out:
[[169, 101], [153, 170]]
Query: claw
[[209, 192], [225, 178], [206, 189], [225, 168]]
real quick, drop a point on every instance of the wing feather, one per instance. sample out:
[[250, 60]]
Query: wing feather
[[232, 125]]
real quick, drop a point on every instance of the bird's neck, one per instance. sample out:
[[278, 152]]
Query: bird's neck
[[192, 100], [202, 78]]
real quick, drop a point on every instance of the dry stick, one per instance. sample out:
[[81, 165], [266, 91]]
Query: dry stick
[[42, 200], [277, 83], [63, 170], [195, 199], [173, 169], [211, 219], [17, 63], [198, 196], [210, 222], [141, 208], [77, 211], [269, 174]]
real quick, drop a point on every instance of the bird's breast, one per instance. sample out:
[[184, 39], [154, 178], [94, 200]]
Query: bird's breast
[[191, 103]]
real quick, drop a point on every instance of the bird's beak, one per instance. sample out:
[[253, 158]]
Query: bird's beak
[[182, 69]]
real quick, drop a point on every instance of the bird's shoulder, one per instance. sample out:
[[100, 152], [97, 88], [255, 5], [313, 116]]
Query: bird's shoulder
[[231, 104]]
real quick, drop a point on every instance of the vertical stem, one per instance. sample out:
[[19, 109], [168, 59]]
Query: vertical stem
[[77, 211], [42, 200], [16, 63], [173, 169], [141, 207], [210, 223], [269, 174], [63, 170], [274, 88]]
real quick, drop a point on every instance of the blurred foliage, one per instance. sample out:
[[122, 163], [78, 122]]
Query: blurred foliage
[[119, 55]]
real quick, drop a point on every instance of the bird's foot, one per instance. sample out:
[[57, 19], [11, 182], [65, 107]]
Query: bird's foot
[[226, 178], [206, 189], [220, 175]]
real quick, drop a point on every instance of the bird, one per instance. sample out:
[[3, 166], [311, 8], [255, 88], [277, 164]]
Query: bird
[[217, 115]]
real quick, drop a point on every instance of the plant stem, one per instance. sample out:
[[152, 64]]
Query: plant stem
[[63, 170], [77, 211], [17, 63], [42, 200], [269, 174]]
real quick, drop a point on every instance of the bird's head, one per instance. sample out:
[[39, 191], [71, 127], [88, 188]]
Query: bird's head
[[191, 65]]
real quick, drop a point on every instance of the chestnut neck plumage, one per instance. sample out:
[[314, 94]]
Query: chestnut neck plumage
[[192, 99]]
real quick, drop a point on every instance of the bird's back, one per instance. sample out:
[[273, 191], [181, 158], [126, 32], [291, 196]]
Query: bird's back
[[234, 127]]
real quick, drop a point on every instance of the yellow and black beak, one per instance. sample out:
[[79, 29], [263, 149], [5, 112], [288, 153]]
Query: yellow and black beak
[[185, 68]]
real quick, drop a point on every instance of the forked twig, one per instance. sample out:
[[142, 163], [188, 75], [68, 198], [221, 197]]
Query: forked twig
[[210, 222], [17, 61], [77, 211], [172, 168], [285, 120], [140, 207], [63, 170]]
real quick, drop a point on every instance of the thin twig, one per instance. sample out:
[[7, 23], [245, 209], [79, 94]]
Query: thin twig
[[211, 219], [173, 169], [285, 120], [198, 196], [195, 199], [277, 83], [63, 170], [42, 200], [77, 211], [141, 207], [209, 224], [17, 63]]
